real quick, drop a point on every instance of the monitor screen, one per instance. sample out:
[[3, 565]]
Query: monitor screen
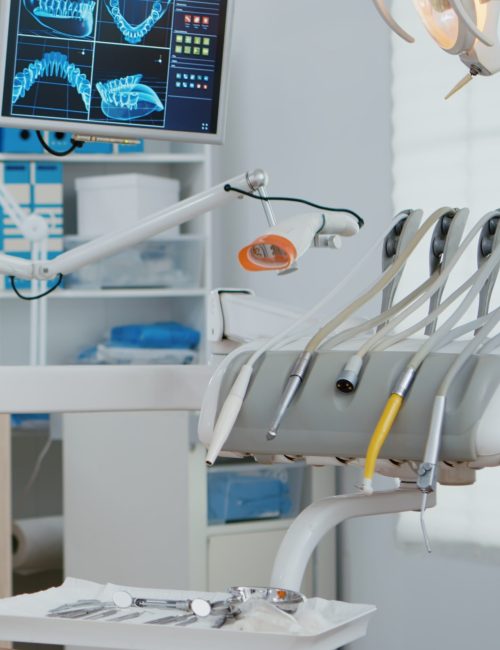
[[116, 68]]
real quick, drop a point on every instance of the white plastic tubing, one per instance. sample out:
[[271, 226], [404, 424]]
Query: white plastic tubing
[[232, 405]]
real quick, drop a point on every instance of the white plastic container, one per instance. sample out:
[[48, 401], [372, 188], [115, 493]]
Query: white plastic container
[[176, 263], [109, 202], [145, 356], [249, 492]]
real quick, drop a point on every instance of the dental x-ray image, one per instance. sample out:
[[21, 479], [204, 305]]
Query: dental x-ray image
[[127, 99], [129, 85], [71, 18], [52, 79], [137, 22]]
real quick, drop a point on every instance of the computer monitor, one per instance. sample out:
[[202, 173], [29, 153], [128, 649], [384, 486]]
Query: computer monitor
[[116, 68]]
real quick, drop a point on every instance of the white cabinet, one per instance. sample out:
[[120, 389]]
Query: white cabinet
[[135, 498], [79, 318]]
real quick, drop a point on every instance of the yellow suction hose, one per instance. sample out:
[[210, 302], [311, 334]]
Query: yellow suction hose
[[382, 430]]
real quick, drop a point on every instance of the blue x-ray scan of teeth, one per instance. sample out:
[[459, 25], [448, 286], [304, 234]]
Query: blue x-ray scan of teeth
[[135, 20], [52, 64], [126, 99], [63, 17]]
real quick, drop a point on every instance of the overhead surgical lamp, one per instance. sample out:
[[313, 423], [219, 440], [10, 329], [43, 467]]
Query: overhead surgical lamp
[[464, 28]]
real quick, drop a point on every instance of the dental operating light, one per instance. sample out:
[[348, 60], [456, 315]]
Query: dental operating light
[[464, 28], [282, 245]]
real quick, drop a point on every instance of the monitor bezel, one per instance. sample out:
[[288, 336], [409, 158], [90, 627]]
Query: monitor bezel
[[114, 131]]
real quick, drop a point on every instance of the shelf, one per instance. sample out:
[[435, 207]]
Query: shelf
[[244, 527], [186, 158], [67, 294]]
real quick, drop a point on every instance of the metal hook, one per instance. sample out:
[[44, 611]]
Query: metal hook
[[386, 15]]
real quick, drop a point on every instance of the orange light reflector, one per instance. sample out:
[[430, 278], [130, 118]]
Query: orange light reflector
[[268, 253]]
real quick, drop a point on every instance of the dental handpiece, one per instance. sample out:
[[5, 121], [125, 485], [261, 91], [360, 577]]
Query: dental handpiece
[[294, 382]]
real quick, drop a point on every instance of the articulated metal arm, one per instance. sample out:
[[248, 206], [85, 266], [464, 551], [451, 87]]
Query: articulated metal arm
[[121, 239]]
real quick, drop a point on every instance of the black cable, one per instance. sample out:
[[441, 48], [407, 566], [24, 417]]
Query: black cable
[[229, 188], [42, 295], [74, 145]]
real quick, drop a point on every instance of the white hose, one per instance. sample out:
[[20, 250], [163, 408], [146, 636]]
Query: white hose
[[468, 351], [491, 345], [443, 276], [378, 285], [234, 400], [484, 272]]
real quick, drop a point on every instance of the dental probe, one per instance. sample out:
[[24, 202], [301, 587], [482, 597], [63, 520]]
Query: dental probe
[[407, 377], [348, 379], [303, 361], [233, 402]]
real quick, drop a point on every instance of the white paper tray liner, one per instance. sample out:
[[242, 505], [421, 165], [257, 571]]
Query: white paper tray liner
[[318, 623]]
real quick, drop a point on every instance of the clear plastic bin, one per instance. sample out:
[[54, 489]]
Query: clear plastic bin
[[253, 492], [145, 356], [170, 264]]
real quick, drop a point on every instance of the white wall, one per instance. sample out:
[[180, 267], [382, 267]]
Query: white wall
[[309, 103]]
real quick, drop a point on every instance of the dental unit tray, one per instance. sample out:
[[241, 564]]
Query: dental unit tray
[[322, 422], [24, 619]]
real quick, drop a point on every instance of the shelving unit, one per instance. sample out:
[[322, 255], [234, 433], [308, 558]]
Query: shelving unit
[[92, 312]]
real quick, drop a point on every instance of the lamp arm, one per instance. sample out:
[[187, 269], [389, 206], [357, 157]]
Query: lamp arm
[[123, 238], [387, 16]]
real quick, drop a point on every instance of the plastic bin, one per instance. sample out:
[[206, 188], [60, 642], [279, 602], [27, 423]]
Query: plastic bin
[[168, 264], [145, 356], [109, 202], [254, 492], [19, 141]]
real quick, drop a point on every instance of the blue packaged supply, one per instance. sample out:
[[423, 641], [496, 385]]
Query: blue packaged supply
[[237, 497], [155, 335]]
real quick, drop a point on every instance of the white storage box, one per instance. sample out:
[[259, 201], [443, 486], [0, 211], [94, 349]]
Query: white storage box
[[106, 203], [169, 264]]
